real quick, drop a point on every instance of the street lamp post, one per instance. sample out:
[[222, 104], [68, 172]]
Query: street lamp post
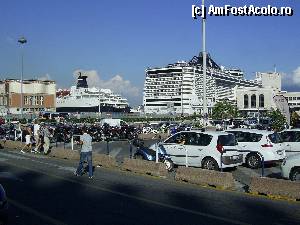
[[204, 102], [22, 41], [99, 109]]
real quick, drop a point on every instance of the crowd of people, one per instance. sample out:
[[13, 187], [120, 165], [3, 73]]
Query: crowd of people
[[37, 139]]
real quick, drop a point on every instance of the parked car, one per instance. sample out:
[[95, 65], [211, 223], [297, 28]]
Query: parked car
[[259, 143], [290, 168], [203, 149], [251, 123], [3, 206], [291, 139]]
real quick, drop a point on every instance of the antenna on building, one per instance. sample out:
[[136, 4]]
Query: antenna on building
[[275, 70]]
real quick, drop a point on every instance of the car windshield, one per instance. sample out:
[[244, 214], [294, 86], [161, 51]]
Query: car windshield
[[275, 138], [227, 140]]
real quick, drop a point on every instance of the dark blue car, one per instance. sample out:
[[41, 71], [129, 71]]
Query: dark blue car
[[149, 154], [3, 206]]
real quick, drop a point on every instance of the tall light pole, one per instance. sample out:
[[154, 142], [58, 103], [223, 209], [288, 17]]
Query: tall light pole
[[99, 109], [204, 102], [22, 41]]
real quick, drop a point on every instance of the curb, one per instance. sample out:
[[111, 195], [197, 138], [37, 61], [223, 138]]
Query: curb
[[220, 180]]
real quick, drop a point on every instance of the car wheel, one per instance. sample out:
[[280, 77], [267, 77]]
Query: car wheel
[[253, 161], [210, 164], [138, 157], [169, 164], [295, 174]]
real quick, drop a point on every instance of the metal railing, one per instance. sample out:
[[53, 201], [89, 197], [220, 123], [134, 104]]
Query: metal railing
[[130, 148], [72, 140]]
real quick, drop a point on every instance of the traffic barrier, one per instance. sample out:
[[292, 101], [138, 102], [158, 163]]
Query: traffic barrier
[[275, 187], [144, 167], [204, 177], [64, 153], [104, 160]]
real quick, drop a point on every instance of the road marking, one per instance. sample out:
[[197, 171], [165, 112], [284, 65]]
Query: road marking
[[115, 152], [178, 208], [34, 212]]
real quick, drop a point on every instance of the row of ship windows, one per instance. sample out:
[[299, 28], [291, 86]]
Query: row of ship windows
[[168, 91], [163, 86], [164, 99], [164, 77], [165, 95], [162, 104], [168, 82], [177, 77], [293, 98], [168, 86]]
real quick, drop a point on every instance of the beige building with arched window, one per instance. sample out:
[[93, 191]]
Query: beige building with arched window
[[255, 99]]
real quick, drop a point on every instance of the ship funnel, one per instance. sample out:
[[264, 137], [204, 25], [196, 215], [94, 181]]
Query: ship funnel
[[81, 81]]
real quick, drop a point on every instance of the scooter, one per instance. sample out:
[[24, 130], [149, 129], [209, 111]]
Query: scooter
[[149, 154]]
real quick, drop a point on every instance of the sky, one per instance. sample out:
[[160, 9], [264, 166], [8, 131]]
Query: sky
[[114, 41]]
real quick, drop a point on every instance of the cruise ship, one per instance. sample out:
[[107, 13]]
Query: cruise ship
[[178, 88], [81, 98]]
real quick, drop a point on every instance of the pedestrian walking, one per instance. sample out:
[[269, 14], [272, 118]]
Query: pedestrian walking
[[85, 153], [28, 144], [46, 135], [40, 142], [37, 133]]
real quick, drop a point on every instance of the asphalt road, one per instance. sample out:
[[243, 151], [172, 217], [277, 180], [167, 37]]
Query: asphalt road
[[44, 191]]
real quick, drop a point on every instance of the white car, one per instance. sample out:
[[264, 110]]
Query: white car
[[291, 139], [203, 149], [290, 168], [259, 143]]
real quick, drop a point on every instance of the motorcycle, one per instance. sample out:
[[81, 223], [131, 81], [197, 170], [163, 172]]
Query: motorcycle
[[149, 154]]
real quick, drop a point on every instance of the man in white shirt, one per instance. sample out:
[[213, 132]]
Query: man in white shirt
[[85, 153]]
